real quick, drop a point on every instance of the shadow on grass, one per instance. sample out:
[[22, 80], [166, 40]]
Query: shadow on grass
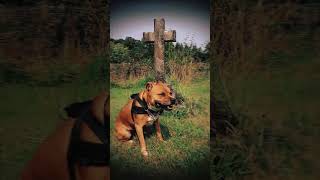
[[150, 131]]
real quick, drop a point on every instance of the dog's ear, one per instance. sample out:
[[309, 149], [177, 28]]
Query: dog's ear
[[98, 108], [149, 86]]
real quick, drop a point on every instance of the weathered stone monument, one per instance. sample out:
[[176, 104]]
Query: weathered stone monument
[[159, 37]]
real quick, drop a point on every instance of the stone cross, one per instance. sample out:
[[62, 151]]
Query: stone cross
[[159, 37]]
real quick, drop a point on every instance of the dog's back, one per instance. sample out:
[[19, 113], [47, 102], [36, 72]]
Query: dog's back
[[50, 159]]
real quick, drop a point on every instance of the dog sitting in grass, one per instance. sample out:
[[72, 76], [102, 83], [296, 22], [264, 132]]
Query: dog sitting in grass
[[144, 109], [79, 147]]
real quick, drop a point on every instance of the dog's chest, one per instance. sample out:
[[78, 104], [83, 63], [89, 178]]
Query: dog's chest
[[150, 120]]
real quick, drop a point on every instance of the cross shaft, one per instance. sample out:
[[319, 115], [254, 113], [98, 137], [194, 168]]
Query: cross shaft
[[159, 37]]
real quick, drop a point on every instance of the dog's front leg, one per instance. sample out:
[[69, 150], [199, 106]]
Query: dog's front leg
[[158, 129], [139, 130]]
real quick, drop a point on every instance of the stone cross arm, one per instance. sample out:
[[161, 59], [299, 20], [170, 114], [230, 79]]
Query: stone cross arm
[[168, 36]]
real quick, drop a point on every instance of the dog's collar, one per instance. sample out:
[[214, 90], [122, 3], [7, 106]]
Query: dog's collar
[[144, 109]]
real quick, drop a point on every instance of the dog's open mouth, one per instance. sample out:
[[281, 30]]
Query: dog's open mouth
[[170, 107], [163, 106]]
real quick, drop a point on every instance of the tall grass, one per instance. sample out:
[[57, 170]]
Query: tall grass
[[184, 62], [264, 54], [182, 66], [55, 73]]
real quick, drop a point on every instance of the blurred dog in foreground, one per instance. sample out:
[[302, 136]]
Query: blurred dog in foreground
[[79, 147]]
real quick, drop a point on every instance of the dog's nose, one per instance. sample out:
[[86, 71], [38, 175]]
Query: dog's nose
[[173, 101]]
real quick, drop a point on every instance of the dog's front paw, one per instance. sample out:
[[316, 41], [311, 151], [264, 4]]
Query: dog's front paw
[[144, 153], [130, 142], [160, 138]]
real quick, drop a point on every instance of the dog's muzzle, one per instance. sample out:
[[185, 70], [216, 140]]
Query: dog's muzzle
[[167, 107]]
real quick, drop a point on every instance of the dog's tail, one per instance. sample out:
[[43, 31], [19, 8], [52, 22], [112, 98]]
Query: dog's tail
[[75, 110]]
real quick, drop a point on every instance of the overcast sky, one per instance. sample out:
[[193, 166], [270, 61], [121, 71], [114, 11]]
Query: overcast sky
[[190, 18]]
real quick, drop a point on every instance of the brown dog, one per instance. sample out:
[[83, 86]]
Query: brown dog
[[144, 109], [50, 160]]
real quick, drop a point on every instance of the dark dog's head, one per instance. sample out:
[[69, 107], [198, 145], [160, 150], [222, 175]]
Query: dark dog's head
[[160, 95], [98, 108]]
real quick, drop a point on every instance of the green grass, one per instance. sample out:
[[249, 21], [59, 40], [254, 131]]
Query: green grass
[[28, 115], [185, 152], [278, 113]]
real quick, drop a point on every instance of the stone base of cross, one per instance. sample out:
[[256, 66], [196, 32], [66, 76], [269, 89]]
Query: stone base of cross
[[159, 37]]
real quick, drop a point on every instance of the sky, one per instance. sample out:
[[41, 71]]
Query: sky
[[190, 19]]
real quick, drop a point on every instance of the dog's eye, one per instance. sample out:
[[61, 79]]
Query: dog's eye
[[162, 94], [171, 93]]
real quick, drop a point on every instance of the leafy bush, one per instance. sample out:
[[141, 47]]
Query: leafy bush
[[130, 50], [119, 53]]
